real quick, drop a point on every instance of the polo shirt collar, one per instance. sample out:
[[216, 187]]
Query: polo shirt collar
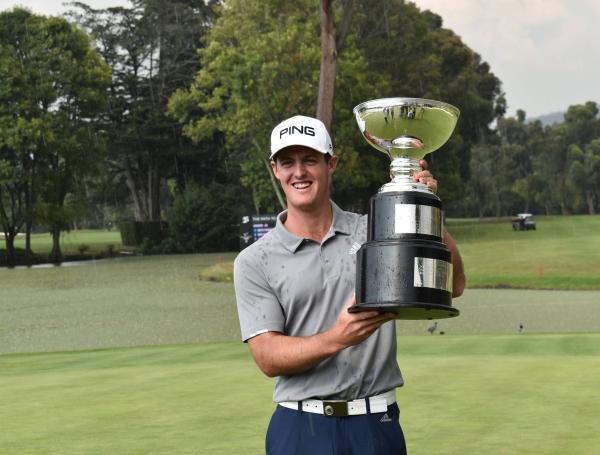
[[292, 242]]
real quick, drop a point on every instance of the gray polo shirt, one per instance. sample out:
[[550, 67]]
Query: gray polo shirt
[[298, 287]]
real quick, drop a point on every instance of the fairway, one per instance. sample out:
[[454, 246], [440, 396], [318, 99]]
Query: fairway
[[160, 300], [563, 253], [473, 394], [140, 356]]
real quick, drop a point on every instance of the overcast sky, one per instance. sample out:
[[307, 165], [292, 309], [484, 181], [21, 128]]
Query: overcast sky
[[545, 52]]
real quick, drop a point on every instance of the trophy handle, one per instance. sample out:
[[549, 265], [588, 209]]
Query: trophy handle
[[402, 170]]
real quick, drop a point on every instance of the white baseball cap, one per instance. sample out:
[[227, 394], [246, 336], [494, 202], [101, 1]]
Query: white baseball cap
[[301, 130]]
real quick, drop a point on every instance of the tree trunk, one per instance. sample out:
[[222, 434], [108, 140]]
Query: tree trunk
[[145, 191], [564, 208], [153, 192], [139, 209], [274, 183], [29, 202], [11, 254], [589, 197], [28, 253], [56, 254], [328, 65], [275, 186], [255, 200]]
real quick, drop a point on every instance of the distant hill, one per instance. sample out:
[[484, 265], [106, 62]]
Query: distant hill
[[549, 119]]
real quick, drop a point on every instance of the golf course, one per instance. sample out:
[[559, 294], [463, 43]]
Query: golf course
[[142, 354]]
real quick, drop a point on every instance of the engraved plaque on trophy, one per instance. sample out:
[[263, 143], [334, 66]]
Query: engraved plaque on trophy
[[404, 267]]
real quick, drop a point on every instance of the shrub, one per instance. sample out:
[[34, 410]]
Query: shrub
[[83, 248], [134, 233], [221, 272], [204, 219]]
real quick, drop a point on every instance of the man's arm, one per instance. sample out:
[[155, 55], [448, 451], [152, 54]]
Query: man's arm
[[281, 355], [458, 271]]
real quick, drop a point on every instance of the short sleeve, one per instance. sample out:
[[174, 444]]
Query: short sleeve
[[259, 310]]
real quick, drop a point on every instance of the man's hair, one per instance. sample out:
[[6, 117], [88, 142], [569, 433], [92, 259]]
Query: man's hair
[[326, 156]]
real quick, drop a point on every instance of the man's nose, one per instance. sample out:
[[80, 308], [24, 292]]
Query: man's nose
[[299, 168]]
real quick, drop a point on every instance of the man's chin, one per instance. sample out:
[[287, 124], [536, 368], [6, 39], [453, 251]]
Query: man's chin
[[309, 203]]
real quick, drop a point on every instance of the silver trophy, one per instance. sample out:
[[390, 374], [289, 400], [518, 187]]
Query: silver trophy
[[404, 267]]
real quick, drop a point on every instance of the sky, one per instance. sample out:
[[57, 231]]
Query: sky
[[545, 52]]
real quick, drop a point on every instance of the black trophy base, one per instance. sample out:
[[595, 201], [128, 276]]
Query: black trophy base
[[412, 311]]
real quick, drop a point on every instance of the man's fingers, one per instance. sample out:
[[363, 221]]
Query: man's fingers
[[375, 316], [363, 315], [373, 325]]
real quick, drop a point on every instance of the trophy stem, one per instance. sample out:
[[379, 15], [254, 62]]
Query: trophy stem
[[402, 170]]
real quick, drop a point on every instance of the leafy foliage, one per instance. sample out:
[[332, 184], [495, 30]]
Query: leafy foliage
[[204, 219], [261, 65], [52, 88]]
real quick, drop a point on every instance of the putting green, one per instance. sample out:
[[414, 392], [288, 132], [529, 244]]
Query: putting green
[[471, 394]]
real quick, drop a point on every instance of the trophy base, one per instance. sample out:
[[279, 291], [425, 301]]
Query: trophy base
[[412, 311]]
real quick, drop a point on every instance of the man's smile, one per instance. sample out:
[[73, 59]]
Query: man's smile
[[301, 185]]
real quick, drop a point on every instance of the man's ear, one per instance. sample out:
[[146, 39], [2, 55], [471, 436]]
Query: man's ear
[[332, 164], [274, 167]]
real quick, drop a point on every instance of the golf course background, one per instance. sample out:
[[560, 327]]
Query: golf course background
[[139, 356]]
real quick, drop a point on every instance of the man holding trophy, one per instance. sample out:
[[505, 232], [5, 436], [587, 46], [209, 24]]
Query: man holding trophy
[[334, 354]]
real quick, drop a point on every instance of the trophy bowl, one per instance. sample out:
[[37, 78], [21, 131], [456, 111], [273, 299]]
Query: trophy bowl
[[406, 127], [404, 267]]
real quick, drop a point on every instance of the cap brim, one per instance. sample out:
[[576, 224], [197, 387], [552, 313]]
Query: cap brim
[[316, 149]]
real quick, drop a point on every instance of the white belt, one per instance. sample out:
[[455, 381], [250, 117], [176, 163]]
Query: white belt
[[340, 408]]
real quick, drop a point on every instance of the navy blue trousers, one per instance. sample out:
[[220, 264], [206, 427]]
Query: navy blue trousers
[[303, 433]]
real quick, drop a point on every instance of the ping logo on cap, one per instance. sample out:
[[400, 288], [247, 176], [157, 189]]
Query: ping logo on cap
[[308, 130]]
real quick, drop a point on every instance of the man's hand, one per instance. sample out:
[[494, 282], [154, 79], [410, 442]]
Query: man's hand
[[425, 177], [353, 328]]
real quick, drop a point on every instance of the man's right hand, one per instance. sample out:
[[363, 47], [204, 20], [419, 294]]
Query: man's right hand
[[351, 329]]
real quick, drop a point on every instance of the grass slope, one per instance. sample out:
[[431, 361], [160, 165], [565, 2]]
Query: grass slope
[[563, 253], [526, 394]]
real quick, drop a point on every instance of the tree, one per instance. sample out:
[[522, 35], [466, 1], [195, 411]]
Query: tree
[[424, 60], [53, 87], [152, 50], [331, 43], [260, 65], [584, 171]]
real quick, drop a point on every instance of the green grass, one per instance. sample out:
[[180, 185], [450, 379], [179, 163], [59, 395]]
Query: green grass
[[483, 387], [98, 240], [496, 394], [563, 253], [117, 302], [161, 300]]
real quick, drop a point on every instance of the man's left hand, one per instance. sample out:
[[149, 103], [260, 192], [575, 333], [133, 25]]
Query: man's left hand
[[425, 177]]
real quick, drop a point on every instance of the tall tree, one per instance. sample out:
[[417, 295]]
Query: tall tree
[[332, 41], [424, 59], [53, 87], [152, 49], [262, 65]]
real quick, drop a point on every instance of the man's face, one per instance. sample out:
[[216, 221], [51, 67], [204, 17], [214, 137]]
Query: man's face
[[304, 176]]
